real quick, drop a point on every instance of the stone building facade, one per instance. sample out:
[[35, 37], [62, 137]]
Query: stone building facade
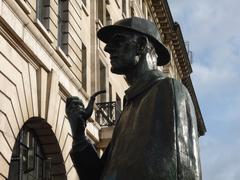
[[49, 51]]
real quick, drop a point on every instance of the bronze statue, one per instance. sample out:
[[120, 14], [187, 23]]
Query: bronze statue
[[156, 136]]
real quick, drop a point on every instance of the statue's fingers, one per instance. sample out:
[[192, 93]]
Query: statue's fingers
[[77, 102], [74, 104], [70, 99]]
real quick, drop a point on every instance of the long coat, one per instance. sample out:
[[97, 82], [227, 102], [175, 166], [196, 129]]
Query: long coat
[[156, 137]]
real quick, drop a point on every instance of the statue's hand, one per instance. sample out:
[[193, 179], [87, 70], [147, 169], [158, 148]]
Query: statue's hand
[[74, 106], [75, 112]]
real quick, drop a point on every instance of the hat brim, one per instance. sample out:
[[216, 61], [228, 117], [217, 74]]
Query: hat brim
[[106, 33]]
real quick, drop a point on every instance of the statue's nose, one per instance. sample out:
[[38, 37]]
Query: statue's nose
[[109, 48]]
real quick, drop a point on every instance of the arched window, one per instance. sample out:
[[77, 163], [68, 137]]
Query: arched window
[[28, 161]]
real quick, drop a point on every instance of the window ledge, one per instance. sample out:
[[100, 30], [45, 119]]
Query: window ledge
[[85, 9], [63, 56], [24, 6], [45, 32]]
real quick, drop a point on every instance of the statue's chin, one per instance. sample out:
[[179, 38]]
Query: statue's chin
[[117, 71], [122, 71]]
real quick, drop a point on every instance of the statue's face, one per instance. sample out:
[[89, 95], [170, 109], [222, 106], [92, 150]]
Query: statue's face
[[123, 50]]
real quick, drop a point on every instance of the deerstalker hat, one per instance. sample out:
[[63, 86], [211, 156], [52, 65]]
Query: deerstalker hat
[[139, 25]]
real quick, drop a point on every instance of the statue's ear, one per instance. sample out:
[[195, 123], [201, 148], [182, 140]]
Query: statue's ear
[[142, 44]]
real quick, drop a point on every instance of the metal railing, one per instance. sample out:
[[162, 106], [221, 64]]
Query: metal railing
[[107, 113]]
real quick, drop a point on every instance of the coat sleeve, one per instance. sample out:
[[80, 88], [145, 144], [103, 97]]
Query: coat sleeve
[[87, 162]]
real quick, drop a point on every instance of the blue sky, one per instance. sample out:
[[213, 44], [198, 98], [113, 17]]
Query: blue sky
[[213, 30]]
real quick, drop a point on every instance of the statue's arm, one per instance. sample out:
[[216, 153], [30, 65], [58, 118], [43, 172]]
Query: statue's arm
[[86, 161], [83, 154]]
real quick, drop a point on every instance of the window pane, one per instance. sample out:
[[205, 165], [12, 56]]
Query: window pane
[[47, 169], [23, 156], [14, 170], [31, 159], [40, 10], [84, 67], [62, 24], [100, 9], [39, 168], [124, 8], [110, 92], [102, 81]]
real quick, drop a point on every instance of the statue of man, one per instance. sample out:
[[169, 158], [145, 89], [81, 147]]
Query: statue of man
[[156, 136]]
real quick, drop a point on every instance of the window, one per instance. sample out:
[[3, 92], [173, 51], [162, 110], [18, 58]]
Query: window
[[132, 12], [84, 67], [118, 100], [100, 10], [110, 92], [43, 18], [118, 106], [108, 18], [28, 161], [42, 11], [102, 81], [124, 8], [62, 24], [150, 17], [144, 9]]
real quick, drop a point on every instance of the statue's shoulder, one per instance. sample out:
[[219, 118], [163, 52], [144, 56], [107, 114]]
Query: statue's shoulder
[[174, 83]]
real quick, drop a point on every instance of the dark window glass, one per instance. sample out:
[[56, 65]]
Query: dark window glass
[[84, 67], [100, 10], [43, 12], [124, 8], [110, 92], [102, 81], [62, 24], [28, 161]]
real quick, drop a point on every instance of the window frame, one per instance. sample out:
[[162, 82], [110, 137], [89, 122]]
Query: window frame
[[84, 67], [39, 21]]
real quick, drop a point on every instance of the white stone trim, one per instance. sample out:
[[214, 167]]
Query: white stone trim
[[24, 6], [45, 32], [0, 7], [64, 56], [85, 9]]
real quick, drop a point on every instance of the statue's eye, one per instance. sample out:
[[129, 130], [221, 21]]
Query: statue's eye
[[118, 39]]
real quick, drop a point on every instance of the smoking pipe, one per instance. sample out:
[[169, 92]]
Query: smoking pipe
[[89, 108]]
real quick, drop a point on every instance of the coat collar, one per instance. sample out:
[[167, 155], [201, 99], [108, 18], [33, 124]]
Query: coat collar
[[142, 84]]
